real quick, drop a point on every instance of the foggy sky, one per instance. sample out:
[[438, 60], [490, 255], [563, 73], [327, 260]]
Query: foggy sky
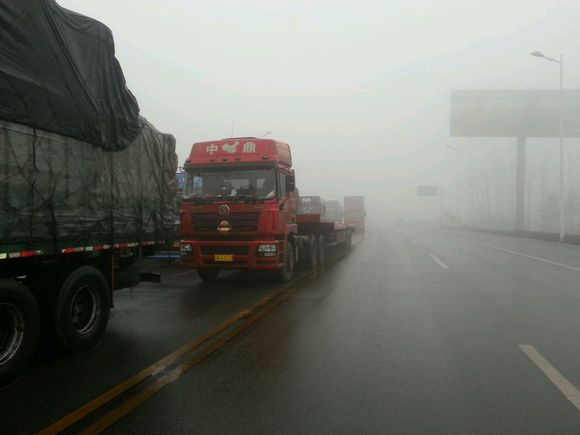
[[360, 90]]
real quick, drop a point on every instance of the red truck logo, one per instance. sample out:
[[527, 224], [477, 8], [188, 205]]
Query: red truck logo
[[247, 148], [231, 149]]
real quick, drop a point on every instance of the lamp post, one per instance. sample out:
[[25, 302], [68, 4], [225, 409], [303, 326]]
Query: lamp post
[[561, 62]]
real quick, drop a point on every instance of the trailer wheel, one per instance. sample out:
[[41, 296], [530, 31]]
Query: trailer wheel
[[208, 275], [19, 328], [81, 309], [321, 250], [287, 271]]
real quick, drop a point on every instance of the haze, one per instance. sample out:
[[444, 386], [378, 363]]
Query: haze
[[360, 90]]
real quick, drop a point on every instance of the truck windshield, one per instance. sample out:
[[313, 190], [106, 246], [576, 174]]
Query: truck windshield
[[216, 183]]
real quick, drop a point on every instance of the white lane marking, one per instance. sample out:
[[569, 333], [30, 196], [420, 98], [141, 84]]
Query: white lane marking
[[439, 262], [182, 273], [413, 241], [521, 254], [567, 389]]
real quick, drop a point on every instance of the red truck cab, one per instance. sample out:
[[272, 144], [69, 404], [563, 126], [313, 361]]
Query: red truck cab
[[238, 208]]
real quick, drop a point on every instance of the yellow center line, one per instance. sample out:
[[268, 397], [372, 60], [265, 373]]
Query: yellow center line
[[101, 400], [132, 403], [160, 365]]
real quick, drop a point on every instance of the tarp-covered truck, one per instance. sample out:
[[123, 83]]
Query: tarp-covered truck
[[87, 186]]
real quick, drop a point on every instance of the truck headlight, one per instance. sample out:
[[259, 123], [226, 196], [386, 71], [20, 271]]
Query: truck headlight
[[267, 250]]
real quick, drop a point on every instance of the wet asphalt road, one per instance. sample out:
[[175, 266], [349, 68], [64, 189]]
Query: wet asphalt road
[[415, 331]]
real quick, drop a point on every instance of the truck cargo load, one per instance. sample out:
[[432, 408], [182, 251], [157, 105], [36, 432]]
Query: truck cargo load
[[58, 73], [58, 193]]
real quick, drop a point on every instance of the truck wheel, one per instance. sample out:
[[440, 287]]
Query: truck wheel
[[321, 250], [287, 271], [81, 309], [19, 328], [311, 257], [349, 240], [208, 275]]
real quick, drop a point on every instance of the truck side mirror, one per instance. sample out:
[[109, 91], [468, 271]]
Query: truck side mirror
[[290, 183]]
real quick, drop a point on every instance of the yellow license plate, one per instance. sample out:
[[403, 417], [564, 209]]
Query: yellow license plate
[[223, 257]]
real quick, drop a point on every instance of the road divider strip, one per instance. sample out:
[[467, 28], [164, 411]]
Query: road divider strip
[[214, 340], [439, 262], [521, 254], [568, 390]]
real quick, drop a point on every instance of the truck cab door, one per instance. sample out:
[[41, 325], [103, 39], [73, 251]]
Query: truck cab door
[[286, 195]]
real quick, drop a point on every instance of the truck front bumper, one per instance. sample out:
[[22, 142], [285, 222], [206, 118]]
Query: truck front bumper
[[230, 255]]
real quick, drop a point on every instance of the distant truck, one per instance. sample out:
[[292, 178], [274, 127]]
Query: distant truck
[[333, 212], [311, 205], [241, 210], [87, 186], [354, 212]]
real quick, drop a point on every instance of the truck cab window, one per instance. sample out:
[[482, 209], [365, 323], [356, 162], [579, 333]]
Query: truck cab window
[[282, 184]]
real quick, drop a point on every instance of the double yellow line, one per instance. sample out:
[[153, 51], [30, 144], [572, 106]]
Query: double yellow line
[[214, 340]]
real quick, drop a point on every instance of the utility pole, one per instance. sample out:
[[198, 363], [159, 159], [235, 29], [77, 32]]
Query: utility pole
[[561, 62], [562, 221]]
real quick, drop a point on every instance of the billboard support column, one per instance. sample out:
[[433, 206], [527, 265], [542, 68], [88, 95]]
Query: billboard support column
[[520, 190]]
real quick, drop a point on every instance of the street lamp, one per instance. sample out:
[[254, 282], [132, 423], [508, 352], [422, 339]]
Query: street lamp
[[561, 62]]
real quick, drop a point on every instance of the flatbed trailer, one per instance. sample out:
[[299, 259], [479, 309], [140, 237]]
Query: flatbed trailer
[[315, 237]]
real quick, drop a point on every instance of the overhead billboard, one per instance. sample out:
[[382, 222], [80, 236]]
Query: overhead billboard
[[523, 113]]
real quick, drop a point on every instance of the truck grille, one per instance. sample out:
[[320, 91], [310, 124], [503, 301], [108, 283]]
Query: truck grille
[[217, 249], [240, 222]]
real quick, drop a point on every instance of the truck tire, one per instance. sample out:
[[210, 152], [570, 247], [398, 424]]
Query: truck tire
[[321, 250], [311, 254], [81, 310], [19, 328], [287, 271], [348, 240], [208, 275]]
